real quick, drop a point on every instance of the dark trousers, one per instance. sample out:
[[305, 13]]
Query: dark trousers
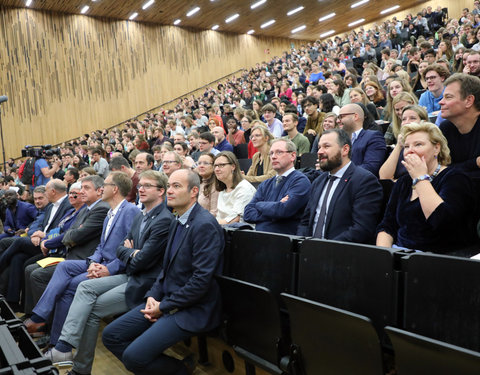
[[140, 344]]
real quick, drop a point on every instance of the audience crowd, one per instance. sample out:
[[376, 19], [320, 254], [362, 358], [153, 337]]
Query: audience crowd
[[373, 137]]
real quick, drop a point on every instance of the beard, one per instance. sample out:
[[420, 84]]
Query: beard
[[331, 163]]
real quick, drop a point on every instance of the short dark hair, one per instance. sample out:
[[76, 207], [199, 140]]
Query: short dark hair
[[117, 162], [469, 85], [74, 172], [208, 137], [342, 138], [310, 99]]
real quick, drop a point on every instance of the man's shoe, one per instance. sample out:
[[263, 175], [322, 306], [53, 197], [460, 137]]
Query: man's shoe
[[35, 329], [58, 358], [190, 363]]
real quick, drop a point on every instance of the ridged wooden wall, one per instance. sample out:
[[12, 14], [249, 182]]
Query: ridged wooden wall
[[66, 75]]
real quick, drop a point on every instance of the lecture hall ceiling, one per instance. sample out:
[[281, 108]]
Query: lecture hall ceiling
[[215, 12]]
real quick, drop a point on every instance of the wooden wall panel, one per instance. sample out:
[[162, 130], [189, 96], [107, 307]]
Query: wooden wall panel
[[66, 74]]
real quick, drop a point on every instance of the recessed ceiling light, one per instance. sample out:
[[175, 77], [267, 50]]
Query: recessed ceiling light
[[388, 10], [231, 18], [133, 16], [328, 16], [28, 3], [250, 32], [85, 9], [147, 4], [257, 4], [356, 22], [354, 5], [215, 27], [176, 22], [266, 24], [193, 11], [327, 33], [299, 28], [296, 10]]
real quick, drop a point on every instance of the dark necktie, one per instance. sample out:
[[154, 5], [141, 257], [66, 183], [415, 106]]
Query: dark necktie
[[279, 180], [323, 208]]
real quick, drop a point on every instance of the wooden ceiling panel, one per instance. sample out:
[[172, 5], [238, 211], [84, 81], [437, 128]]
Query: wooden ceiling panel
[[215, 12]]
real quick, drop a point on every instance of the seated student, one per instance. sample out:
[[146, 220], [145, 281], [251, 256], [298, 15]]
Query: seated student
[[68, 274], [368, 146], [235, 191], [208, 195], [18, 215], [434, 75], [461, 111], [290, 122], [431, 208], [393, 168], [261, 169], [279, 201], [221, 143], [185, 298]]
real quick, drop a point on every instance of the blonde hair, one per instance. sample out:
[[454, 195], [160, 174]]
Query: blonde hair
[[435, 136], [396, 121]]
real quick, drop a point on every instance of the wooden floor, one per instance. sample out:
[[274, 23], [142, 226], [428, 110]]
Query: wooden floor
[[107, 364]]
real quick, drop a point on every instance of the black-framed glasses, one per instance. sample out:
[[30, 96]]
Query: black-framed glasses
[[73, 195], [170, 161], [341, 115], [220, 165]]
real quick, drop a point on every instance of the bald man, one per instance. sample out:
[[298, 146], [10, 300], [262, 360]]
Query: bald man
[[368, 146], [221, 143]]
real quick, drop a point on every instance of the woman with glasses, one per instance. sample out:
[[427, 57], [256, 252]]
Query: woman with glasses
[[235, 191], [261, 168], [208, 195]]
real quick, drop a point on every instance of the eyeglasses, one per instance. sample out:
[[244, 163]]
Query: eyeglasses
[[73, 195], [431, 78], [342, 115], [220, 165], [278, 152], [170, 161], [204, 163], [147, 186]]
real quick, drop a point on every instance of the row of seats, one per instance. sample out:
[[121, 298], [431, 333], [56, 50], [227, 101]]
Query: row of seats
[[309, 306], [19, 355]]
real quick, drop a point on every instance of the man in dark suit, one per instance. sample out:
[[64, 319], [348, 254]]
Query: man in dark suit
[[368, 146], [185, 298], [18, 216], [68, 274], [142, 252], [345, 199], [81, 239], [279, 201]]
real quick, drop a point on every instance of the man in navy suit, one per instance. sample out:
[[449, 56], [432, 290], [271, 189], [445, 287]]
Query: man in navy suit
[[368, 146], [345, 200], [61, 289], [185, 298], [279, 201], [142, 252], [18, 216]]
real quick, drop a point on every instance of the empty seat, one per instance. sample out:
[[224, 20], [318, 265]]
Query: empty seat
[[353, 277], [262, 258], [331, 341], [253, 323], [420, 355], [442, 298]]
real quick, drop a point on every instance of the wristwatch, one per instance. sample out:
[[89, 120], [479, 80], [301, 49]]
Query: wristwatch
[[421, 178]]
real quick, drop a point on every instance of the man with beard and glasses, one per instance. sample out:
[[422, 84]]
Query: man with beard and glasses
[[345, 199]]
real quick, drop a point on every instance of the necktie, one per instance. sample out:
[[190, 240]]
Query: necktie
[[323, 209], [279, 180], [354, 137]]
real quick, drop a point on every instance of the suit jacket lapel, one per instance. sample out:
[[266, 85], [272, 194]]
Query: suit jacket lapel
[[336, 194], [115, 219]]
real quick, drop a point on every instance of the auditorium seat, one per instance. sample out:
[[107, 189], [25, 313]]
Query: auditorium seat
[[442, 298], [262, 258], [241, 151], [331, 341], [245, 164], [308, 160], [357, 278], [253, 324], [420, 355]]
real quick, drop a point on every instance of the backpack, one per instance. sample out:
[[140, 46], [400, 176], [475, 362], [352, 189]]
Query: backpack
[[26, 172]]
